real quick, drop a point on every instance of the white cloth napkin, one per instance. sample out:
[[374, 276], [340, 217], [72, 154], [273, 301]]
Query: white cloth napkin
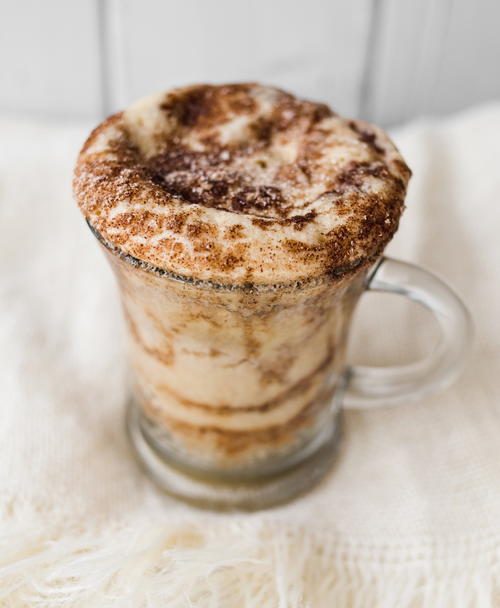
[[408, 517]]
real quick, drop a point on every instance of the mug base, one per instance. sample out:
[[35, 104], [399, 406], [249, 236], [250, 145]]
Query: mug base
[[207, 492]]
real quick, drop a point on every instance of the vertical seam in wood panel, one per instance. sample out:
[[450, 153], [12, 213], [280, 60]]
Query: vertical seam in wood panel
[[419, 92], [116, 52], [367, 87], [448, 15], [104, 67]]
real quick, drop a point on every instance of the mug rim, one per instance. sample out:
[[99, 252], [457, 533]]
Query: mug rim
[[334, 274]]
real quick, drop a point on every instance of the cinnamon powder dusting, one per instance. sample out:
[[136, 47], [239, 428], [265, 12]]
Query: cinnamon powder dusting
[[216, 182]]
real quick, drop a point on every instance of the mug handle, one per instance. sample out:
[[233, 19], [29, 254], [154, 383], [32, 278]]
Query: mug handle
[[374, 387]]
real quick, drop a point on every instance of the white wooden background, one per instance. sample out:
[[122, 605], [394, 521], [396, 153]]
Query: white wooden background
[[385, 60]]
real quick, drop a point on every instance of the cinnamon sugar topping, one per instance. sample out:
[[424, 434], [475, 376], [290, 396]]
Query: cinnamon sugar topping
[[215, 182]]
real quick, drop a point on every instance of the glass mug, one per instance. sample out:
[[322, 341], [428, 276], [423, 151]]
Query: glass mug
[[236, 390]]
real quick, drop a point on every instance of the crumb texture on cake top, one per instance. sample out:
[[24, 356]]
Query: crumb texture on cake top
[[241, 183]]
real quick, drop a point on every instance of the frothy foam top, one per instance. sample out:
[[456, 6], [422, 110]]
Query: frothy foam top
[[241, 183]]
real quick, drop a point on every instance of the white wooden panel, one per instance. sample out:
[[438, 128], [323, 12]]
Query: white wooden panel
[[49, 58], [406, 57], [470, 66], [433, 57], [315, 48]]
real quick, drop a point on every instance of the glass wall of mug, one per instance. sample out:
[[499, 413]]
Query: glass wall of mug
[[235, 381]]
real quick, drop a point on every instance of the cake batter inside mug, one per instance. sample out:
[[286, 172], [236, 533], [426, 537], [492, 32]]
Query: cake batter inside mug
[[243, 224]]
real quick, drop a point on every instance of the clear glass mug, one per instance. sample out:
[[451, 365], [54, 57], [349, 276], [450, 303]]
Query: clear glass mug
[[236, 391]]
